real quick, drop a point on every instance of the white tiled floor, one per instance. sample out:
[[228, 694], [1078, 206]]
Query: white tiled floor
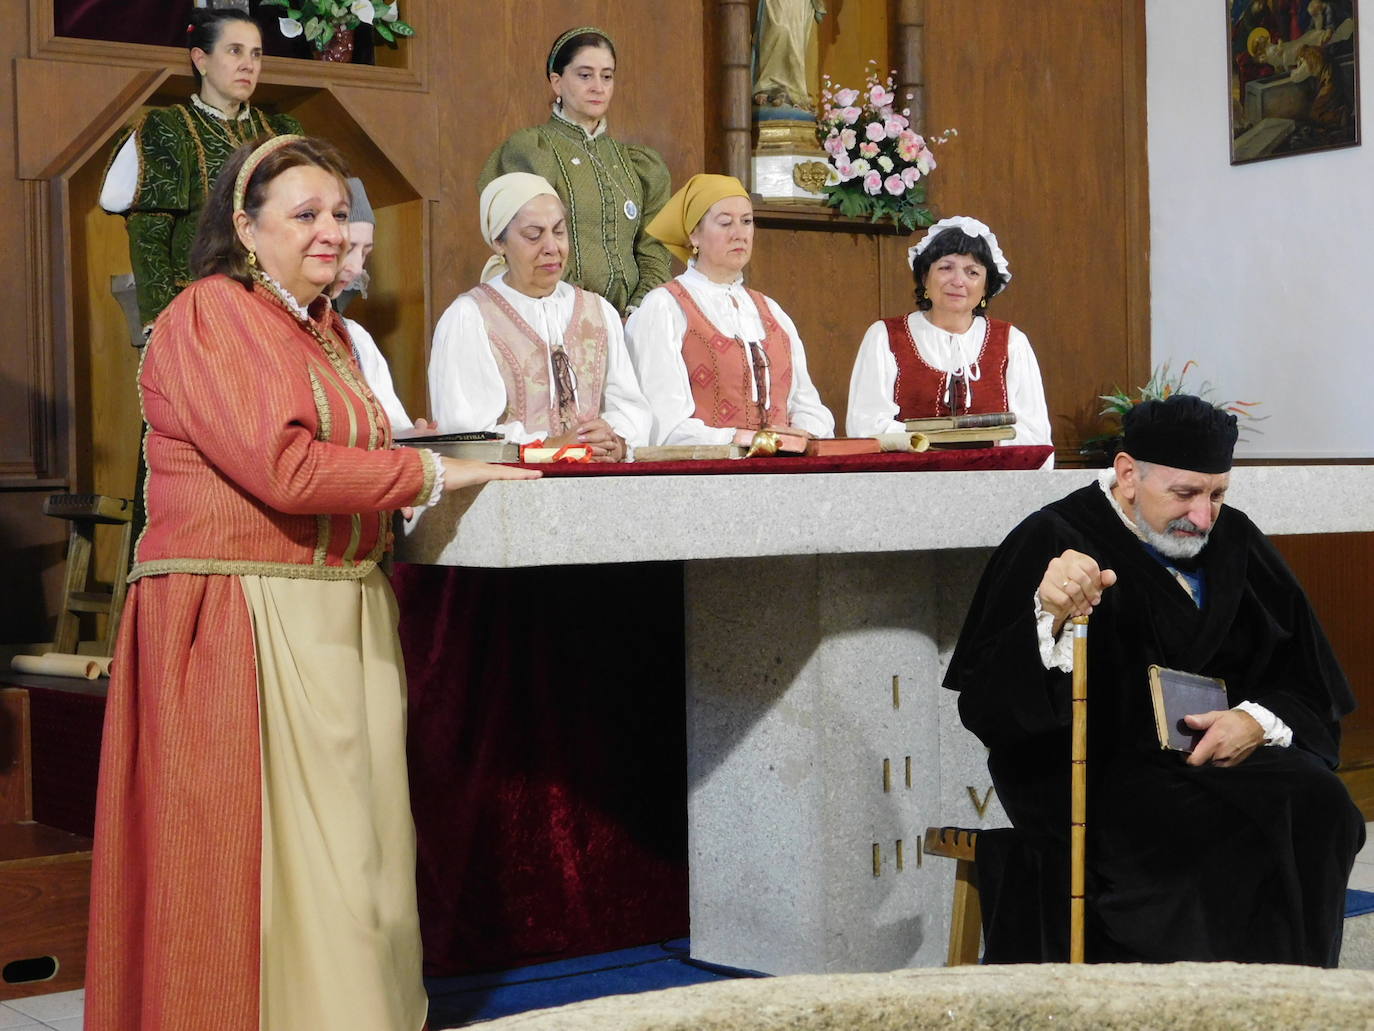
[[63, 1011], [1362, 876], [59, 1012]]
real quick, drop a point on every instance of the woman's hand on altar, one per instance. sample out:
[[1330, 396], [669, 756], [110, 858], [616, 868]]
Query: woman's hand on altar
[[426, 425], [462, 472], [606, 444], [1072, 586]]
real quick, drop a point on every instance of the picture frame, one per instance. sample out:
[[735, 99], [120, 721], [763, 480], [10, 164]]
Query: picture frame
[[1294, 77]]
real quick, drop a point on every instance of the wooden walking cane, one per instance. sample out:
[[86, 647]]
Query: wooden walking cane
[[1078, 806]]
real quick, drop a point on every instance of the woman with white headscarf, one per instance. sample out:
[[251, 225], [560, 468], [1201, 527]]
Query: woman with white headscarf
[[526, 354], [948, 357]]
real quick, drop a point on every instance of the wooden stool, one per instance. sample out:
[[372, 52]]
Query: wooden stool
[[85, 512], [45, 876], [966, 917]]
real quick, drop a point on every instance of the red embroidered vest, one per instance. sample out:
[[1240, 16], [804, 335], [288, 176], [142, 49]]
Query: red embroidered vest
[[722, 376], [522, 356], [920, 389]]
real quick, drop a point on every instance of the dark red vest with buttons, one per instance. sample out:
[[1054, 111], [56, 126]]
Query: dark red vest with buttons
[[920, 388]]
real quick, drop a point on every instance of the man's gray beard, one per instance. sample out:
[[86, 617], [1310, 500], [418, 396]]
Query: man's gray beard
[[1168, 545]]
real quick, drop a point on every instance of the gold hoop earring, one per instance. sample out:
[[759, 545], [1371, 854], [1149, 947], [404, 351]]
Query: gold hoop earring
[[695, 250], [983, 305], [252, 259]]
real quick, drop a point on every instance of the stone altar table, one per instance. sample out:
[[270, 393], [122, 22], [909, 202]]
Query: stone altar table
[[821, 609]]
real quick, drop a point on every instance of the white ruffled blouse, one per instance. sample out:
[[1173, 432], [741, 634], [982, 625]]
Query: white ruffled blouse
[[872, 409], [655, 333], [465, 387]]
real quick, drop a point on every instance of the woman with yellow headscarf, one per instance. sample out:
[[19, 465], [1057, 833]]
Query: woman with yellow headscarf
[[713, 356], [526, 354]]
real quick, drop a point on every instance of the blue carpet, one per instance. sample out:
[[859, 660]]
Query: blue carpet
[[1358, 903], [457, 1001]]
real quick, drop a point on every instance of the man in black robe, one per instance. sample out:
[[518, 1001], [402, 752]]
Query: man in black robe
[[1241, 850]]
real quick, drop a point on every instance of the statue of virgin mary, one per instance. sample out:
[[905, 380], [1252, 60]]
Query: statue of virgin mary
[[785, 61]]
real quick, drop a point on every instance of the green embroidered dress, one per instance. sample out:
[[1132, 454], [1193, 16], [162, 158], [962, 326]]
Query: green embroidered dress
[[180, 152], [611, 190]]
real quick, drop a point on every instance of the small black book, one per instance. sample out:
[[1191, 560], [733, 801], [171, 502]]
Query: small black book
[[1177, 694], [413, 436]]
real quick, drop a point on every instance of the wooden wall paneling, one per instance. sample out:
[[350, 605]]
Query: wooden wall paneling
[[737, 131], [830, 284], [34, 548], [66, 114], [376, 130], [852, 33], [658, 102], [909, 57], [106, 417], [1334, 569], [64, 123], [30, 447], [34, 377], [1042, 158], [712, 88], [1135, 161]]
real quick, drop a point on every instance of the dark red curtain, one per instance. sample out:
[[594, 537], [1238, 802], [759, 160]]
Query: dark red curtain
[[160, 23], [547, 759], [123, 21]]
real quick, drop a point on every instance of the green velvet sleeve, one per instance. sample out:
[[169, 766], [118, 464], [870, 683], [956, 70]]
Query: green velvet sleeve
[[166, 163], [655, 264], [525, 151], [285, 125]]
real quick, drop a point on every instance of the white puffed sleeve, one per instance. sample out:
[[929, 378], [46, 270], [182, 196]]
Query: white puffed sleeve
[[654, 334], [624, 405], [804, 408], [466, 392], [121, 181], [872, 384], [1026, 394], [378, 375]]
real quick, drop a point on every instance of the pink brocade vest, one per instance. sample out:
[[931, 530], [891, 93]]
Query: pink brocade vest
[[522, 356], [722, 376], [920, 389]]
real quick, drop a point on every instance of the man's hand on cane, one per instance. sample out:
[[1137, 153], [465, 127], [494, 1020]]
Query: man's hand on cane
[[1072, 586]]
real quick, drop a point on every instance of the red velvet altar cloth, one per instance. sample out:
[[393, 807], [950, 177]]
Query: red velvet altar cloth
[[548, 759], [954, 459], [547, 739]]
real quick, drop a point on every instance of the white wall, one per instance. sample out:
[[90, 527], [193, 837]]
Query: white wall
[[1262, 273]]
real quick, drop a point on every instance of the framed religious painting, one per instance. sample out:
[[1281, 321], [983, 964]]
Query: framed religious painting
[[1295, 77]]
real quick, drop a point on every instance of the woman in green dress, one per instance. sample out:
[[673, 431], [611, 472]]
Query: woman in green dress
[[610, 189], [166, 161]]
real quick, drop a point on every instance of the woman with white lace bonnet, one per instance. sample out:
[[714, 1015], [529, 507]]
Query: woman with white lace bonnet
[[525, 353], [949, 357]]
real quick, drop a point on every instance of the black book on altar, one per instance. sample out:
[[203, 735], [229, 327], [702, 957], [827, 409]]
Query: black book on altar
[[1177, 694]]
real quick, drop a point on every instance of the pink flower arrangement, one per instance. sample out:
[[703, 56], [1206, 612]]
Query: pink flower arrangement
[[879, 163]]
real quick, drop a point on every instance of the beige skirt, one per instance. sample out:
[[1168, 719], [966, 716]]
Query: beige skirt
[[340, 930]]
